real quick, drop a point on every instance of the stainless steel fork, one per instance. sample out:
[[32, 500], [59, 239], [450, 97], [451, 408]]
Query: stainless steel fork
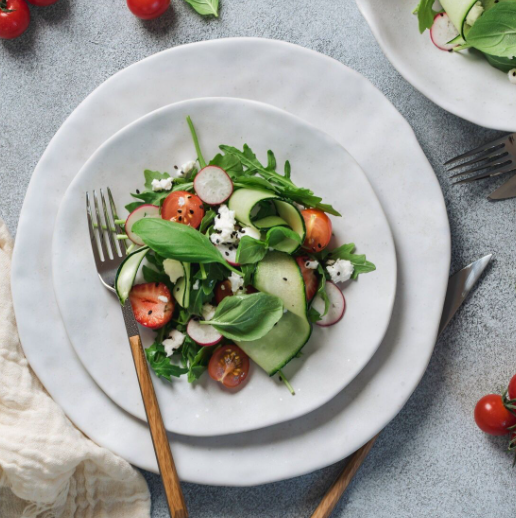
[[492, 159], [108, 253]]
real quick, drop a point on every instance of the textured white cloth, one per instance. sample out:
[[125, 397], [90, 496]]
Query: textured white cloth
[[48, 468]]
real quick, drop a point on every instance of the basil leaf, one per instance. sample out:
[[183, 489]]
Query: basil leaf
[[425, 14], [250, 250], [205, 7], [495, 31], [160, 363], [503, 64], [360, 264], [177, 241], [230, 163], [247, 317]]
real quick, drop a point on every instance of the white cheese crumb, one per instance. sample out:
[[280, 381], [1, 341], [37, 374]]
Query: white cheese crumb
[[237, 283], [181, 201], [161, 185], [475, 13], [312, 265], [196, 285], [251, 232], [174, 341], [512, 76], [208, 311], [224, 223], [163, 299], [340, 270], [188, 167]]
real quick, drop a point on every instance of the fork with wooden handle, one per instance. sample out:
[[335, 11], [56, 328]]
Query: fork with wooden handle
[[108, 253]]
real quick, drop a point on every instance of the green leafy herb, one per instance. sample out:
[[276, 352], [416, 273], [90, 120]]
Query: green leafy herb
[[425, 14], [321, 289], [154, 198], [314, 315], [161, 364], [194, 358], [250, 250], [209, 216], [151, 275], [247, 317], [495, 31], [205, 7], [176, 241], [200, 158], [503, 64], [153, 175], [360, 264], [230, 163], [134, 205]]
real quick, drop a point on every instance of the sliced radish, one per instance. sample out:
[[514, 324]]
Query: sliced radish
[[203, 334], [443, 31], [143, 211], [337, 305], [213, 185], [229, 253]]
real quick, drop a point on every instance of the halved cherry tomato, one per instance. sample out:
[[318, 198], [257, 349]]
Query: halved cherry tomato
[[183, 207], [511, 390], [229, 365], [318, 229], [311, 282], [223, 290], [492, 417], [148, 9], [14, 18], [152, 304]]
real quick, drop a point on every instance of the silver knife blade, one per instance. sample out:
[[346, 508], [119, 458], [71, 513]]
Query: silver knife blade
[[505, 191], [459, 286]]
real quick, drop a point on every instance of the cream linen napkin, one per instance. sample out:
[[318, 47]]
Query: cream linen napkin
[[47, 467]]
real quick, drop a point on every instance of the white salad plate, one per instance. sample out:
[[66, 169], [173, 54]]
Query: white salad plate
[[332, 357], [334, 99], [463, 83]]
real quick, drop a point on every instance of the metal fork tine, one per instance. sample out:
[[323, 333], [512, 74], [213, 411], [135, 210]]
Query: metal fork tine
[[487, 165], [494, 172], [97, 254], [114, 213], [484, 147], [105, 243], [110, 227], [484, 156]]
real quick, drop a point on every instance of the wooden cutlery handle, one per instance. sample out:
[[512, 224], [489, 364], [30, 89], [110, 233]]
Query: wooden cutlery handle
[[333, 495], [167, 468]]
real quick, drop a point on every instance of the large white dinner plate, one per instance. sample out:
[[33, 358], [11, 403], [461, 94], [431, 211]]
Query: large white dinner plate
[[333, 356], [338, 101], [462, 83]]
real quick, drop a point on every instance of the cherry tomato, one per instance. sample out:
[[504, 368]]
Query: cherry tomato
[[311, 282], [42, 3], [223, 290], [511, 390], [492, 417], [14, 18], [183, 207], [229, 365], [318, 229], [148, 9]]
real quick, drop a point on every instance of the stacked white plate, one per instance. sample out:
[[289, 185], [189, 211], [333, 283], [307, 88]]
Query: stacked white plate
[[344, 411]]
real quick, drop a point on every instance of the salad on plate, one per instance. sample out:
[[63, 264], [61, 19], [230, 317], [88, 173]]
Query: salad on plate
[[236, 265], [488, 26]]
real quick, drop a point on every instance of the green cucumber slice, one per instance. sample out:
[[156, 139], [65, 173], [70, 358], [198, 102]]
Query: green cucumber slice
[[458, 11], [181, 290], [174, 269], [126, 273], [273, 351], [244, 201]]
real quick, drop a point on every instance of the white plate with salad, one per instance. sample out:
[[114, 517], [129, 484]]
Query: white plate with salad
[[234, 266], [459, 53]]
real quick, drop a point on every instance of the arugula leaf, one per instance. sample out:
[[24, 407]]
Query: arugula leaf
[[181, 184], [254, 181], [154, 198], [230, 163], [194, 358], [271, 161], [151, 275], [360, 264], [205, 7], [246, 317], [313, 315], [153, 175], [425, 14], [321, 289], [495, 31], [181, 242], [134, 205], [503, 64], [208, 217], [160, 363], [250, 250]]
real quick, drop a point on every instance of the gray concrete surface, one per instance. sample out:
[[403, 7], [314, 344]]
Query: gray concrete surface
[[430, 461]]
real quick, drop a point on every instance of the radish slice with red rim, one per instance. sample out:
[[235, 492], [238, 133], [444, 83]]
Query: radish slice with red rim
[[213, 185], [337, 305], [203, 334], [443, 31], [143, 211], [229, 253]]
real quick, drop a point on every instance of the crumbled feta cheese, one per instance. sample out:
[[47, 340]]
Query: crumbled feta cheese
[[237, 282], [312, 265], [474, 13], [174, 341], [251, 232], [161, 185], [340, 270], [188, 167], [512, 76], [181, 201], [208, 311], [224, 223], [163, 299], [196, 285]]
